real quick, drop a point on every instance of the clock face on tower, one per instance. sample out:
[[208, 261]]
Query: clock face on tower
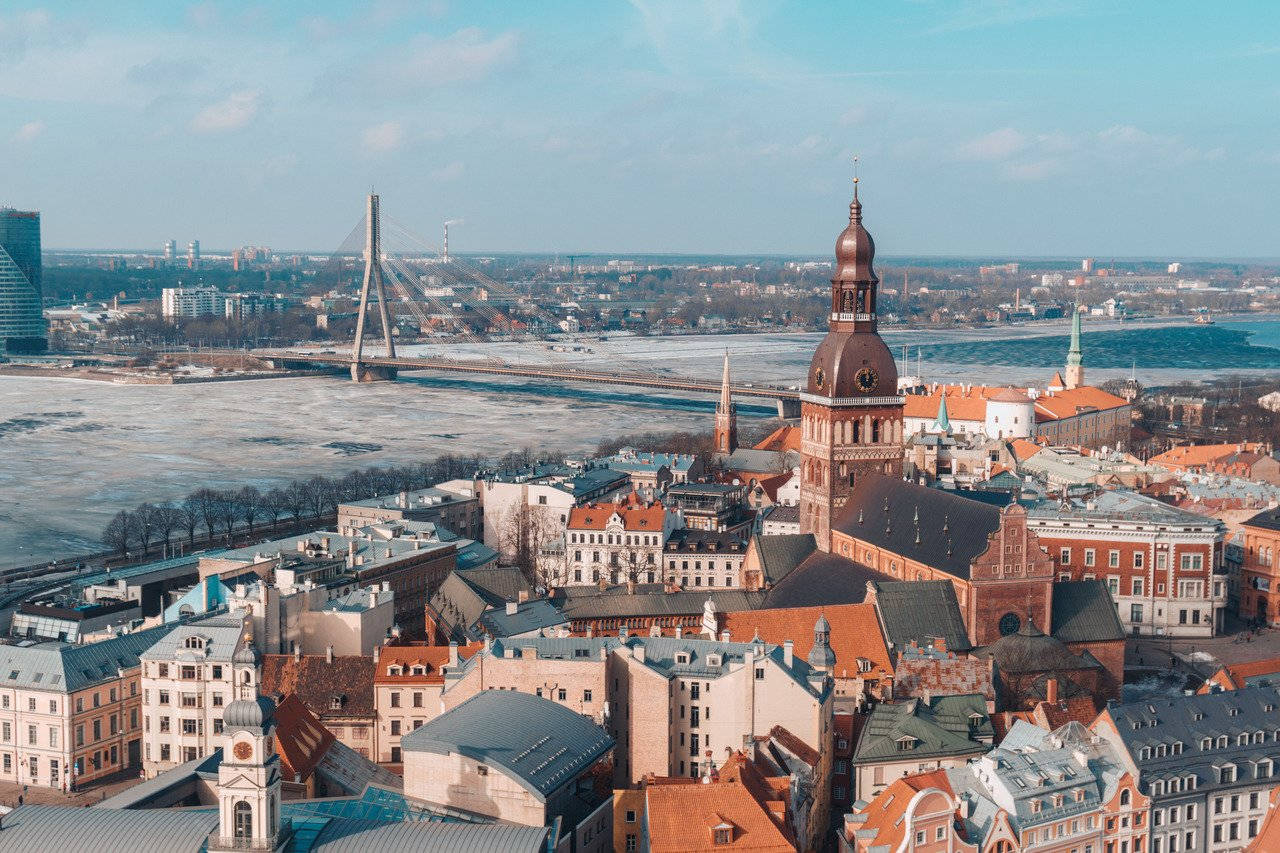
[[866, 380], [243, 750]]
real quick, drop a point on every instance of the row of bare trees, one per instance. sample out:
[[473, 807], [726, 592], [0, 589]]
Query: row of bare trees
[[218, 513]]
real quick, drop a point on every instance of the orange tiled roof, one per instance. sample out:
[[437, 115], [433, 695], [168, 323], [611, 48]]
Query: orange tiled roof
[[1234, 676], [432, 658], [301, 739], [1068, 403], [1191, 455], [1268, 837], [1023, 449], [855, 633], [685, 817], [782, 439], [635, 518], [885, 812]]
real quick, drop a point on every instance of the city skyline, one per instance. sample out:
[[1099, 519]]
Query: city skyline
[[985, 129]]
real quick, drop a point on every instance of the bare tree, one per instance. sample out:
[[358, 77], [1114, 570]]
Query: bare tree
[[119, 532], [295, 495], [167, 520], [227, 510], [144, 520], [524, 529], [275, 503], [188, 521], [250, 503], [319, 493], [202, 504]]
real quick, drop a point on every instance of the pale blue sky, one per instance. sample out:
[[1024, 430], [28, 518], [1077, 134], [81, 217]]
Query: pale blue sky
[[1054, 127]]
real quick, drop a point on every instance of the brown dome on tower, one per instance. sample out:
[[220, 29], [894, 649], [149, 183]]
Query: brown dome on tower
[[855, 249], [852, 360]]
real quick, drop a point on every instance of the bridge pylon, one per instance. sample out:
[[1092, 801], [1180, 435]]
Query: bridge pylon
[[361, 372]]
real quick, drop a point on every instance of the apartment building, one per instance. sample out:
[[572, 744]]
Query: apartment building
[[188, 677], [1208, 763], [693, 558], [611, 542], [456, 509], [71, 714], [407, 685], [1160, 563], [1260, 571]]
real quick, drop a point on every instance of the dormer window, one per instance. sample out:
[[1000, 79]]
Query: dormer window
[[397, 669], [682, 657], [864, 665], [905, 743], [1035, 806], [337, 701], [1079, 795], [418, 670], [722, 833], [194, 643], [1222, 741], [1206, 743]]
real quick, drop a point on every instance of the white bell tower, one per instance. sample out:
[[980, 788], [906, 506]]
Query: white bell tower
[[249, 781]]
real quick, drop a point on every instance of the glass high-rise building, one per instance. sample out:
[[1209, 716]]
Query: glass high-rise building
[[22, 325]]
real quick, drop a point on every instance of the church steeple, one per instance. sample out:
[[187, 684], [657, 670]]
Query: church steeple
[[943, 422], [726, 433], [854, 286], [1075, 360], [249, 780]]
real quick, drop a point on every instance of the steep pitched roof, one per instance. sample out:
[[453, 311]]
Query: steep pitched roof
[[941, 529], [634, 518], [1083, 612], [823, 578], [684, 817], [63, 666], [782, 439], [431, 658], [1196, 455], [779, 555], [855, 633], [917, 611], [300, 738], [1236, 675], [1030, 650]]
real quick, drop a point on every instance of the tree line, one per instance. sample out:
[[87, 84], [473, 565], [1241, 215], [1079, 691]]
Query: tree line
[[220, 512]]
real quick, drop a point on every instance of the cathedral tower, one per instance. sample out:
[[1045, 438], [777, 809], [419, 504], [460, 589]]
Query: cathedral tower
[[850, 412], [726, 436], [249, 781]]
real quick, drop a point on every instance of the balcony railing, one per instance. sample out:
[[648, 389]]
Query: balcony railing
[[224, 842]]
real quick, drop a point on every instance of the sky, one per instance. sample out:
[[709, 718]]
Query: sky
[[982, 127]]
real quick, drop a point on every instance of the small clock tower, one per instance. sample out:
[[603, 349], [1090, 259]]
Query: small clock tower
[[850, 411], [249, 781]]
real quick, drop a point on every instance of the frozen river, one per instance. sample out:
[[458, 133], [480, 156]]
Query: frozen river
[[73, 452]]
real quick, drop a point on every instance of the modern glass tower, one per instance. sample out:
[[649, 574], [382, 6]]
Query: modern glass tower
[[22, 325]]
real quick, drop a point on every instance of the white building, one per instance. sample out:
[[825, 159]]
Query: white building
[[197, 301], [188, 678], [611, 542]]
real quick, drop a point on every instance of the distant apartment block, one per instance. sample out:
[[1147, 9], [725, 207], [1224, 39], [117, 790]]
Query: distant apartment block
[[190, 302]]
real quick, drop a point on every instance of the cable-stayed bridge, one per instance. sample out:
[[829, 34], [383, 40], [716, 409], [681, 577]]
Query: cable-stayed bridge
[[419, 278]]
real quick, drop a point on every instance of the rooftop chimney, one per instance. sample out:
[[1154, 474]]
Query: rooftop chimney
[[679, 632], [513, 608], [522, 596], [1051, 691], [453, 654], [377, 653], [328, 654], [297, 652], [788, 649]]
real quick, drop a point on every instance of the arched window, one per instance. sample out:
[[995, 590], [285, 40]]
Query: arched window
[[875, 431], [1124, 797], [857, 431], [248, 677], [243, 820]]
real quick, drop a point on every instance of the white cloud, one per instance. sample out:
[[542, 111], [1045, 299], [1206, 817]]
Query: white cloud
[[231, 113], [29, 131], [996, 145], [449, 172], [468, 54], [386, 136], [1034, 170]]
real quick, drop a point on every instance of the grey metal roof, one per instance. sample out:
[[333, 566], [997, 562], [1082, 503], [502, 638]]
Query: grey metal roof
[[495, 585], [939, 528], [1189, 720], [540, 744], [222, 635], [370, 836], [920, 610], [779, 555], [458, 604], [71, 830], [529, 616], [822, 578], [588, 602], [1120, 505], [1084, 612], [66, 667]]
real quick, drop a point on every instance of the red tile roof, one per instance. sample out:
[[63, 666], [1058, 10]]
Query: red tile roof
[[682, 818], [301, 739], [782, 439], [855, 633], [634, 518], [1233, 676], [1072, 401], [431, 658], [349, 680], [885, 813], [1197, 455]]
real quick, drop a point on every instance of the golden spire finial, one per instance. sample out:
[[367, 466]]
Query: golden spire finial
[[855, 176]]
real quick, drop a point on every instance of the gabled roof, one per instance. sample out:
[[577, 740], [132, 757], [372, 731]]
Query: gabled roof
[[1236, 675], [301, 739], [823, 578], [532, 615], [542, 745], [634, 518], [1084, 612], [855, 633], [65, 667], [682, 817], [782, 439], [941, 529], [1072, 401], [884, 823], [919, 611], [496, 585], [917, 729], [432, 659], [779, 555]]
